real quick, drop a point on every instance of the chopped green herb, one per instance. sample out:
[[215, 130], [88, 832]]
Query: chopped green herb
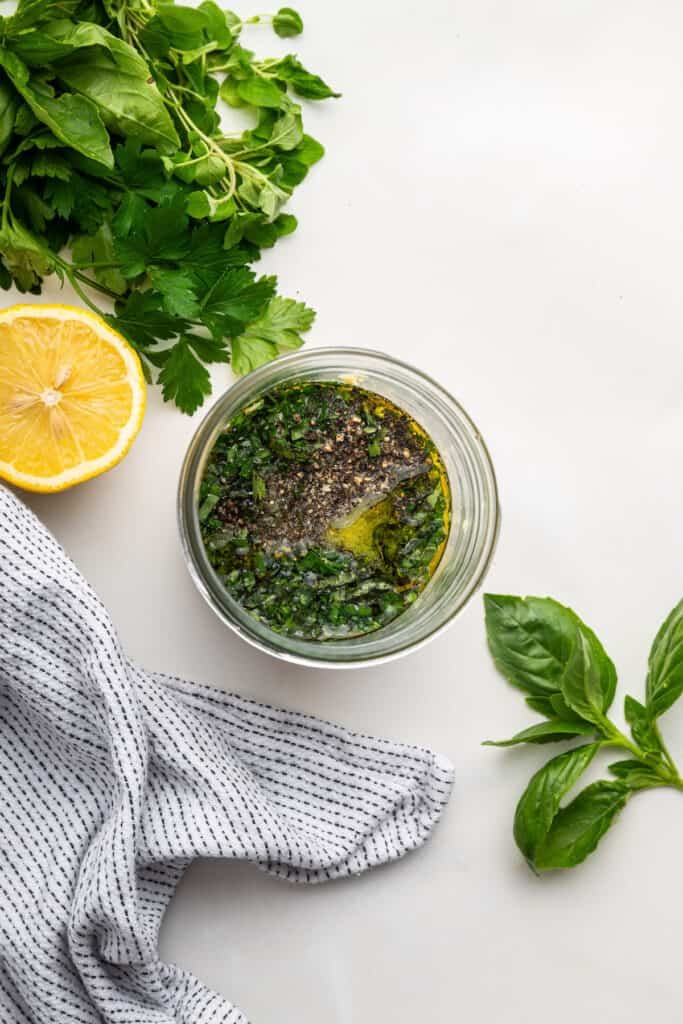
[[316, 535]]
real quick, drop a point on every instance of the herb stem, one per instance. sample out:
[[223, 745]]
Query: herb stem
[[8, 193]]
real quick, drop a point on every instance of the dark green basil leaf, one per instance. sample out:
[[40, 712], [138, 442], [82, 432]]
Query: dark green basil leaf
[[562, 709], [636, 775], [540, 801], [127, 103], [531, 640], [38, 48], [35, 12], [542, 705], [73, 119], [665, 665], [589, 680], [642, 728], [287, 22], [545, 732], [578, 828]]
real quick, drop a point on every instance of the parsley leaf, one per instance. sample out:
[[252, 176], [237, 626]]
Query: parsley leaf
[[277, 330], [235, 299], [183, 379]]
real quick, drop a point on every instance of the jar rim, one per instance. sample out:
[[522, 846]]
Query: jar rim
[[456, 424]]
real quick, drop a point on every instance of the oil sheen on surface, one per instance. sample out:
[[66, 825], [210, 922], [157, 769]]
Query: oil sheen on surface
[[324, 510]]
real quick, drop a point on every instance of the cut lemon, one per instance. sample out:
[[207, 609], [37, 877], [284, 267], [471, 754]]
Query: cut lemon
[[72, 396]]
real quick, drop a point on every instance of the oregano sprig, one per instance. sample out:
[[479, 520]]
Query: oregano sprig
[[546, 651]]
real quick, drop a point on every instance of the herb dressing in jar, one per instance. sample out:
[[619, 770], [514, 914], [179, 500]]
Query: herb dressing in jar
[[324, 509]]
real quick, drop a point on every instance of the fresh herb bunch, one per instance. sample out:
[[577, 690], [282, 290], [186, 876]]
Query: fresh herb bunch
[[546, 651], [111, 148]]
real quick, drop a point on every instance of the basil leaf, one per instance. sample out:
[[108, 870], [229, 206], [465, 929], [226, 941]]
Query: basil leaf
[[545, 732], [33, 12], [588, 681], [540, 801], [127, 103], [642, 728], [636, 775], [73, 119], [531, 640], [542, 705], [562, 709], [579, 827], [665, 665]]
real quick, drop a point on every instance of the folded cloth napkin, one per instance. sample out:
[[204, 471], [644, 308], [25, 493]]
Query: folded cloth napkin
[[113, 779]]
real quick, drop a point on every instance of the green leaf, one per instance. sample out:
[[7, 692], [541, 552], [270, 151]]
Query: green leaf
[[177, 291], [287, 131], [202, 205], [8, 112], [209, 350], [562, 710], [266, 233], [542, 705], [309, 151], [229, 92], [141, 319], [99, 248], [217, 25], [545, 732], [665, 666], [183, 25], [235, 299], [127, 102], [531, 640], [578, 828], [642, 727], [277, 330], [163, 237], [287, 22], [183, 378], [24, 257], [259, 92], [588, 681], [73, 119], [636, 775], [540, 801], [35, 12], [311, 87]]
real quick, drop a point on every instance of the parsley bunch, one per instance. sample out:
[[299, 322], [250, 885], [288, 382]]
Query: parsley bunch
[[116, 176]]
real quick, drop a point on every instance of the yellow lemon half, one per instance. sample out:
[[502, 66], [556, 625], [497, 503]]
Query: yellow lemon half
[[72, 396]]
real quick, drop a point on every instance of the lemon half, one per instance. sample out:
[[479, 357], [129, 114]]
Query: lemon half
[[72, 396]]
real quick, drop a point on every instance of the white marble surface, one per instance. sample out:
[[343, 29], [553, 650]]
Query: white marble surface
[[500, 204]]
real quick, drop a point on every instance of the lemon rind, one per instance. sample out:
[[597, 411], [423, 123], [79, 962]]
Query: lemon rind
[[91, 467]]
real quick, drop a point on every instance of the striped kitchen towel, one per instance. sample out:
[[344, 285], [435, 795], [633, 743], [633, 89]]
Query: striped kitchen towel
[[112, 779]]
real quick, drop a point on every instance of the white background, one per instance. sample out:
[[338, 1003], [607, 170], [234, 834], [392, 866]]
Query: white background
[[501, 205]]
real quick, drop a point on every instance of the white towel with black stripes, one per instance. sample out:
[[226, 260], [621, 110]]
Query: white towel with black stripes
[[112, 779]]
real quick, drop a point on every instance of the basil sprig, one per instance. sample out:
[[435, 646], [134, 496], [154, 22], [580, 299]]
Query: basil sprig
[[546, 651]]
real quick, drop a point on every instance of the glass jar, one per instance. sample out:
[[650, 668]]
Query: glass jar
[[474, 513]]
